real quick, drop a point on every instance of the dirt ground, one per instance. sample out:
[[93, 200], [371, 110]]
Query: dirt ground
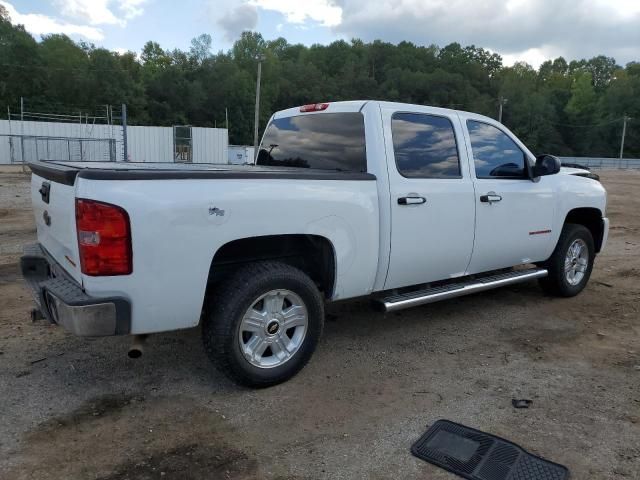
[[74, 408]]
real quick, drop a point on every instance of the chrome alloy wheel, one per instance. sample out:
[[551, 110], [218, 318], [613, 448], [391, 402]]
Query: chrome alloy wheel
[[576, 262], [273, 328]]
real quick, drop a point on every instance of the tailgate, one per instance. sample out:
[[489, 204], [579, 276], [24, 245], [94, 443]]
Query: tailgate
[[54, 209]]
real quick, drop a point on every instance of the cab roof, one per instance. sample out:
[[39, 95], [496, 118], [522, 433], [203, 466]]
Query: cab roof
[[333, 107], [357, 105]]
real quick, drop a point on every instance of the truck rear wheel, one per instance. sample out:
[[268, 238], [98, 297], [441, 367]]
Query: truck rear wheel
[[262, 325], [571, 263]]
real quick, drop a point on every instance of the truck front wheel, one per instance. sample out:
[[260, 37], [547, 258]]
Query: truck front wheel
[[571, 263], [262, 325]]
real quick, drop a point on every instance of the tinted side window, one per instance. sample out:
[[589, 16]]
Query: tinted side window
[[494, 153], [424, 146], [328, 141]]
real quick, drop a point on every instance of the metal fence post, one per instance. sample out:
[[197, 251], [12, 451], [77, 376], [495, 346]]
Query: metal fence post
[[124, 133]]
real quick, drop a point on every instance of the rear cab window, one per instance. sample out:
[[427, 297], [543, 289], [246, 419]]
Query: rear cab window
[[425, 146], [325, 141]]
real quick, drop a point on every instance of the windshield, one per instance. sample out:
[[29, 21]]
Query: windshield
[[327, 141]]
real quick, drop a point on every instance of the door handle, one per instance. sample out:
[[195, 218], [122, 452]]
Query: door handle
[[411, 200], [490, 198]]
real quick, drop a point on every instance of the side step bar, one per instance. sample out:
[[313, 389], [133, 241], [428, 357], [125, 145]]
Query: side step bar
[[464, 287]]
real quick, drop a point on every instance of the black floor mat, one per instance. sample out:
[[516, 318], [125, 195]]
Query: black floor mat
[[480, 456]]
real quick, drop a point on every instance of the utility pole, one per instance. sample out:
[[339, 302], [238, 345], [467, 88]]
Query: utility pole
[[503, 101], [226, 120], [624, 133], [257, 113]]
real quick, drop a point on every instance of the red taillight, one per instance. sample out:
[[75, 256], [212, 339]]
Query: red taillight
[[104, 238], [314, 107]]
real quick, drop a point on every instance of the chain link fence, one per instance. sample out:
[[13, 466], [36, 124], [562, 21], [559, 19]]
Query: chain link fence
[[28, 148], [598, 162]]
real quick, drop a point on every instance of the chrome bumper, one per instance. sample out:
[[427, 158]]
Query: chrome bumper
[[62, 300]]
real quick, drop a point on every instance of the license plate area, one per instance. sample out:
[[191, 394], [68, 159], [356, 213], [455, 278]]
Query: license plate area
[[54, 270]]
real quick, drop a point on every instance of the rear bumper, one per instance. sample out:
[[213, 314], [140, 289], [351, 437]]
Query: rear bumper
[[63, 301]]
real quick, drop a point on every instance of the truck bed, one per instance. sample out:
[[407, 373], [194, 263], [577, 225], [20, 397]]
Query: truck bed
[[67, 172]]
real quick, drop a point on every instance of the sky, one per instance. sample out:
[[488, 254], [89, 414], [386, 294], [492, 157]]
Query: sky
[[519, 30]]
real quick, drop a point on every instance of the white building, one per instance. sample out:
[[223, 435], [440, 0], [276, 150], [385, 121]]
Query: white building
[[241, 154], [28, 141]]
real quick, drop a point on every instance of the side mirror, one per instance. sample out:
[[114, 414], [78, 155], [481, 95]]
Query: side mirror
[[546, 165]]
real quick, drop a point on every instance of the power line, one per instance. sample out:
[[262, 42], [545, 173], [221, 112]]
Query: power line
[[65, 69]]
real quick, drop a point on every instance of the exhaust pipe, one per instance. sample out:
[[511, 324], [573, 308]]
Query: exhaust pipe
[[36, 314], [137, 346]]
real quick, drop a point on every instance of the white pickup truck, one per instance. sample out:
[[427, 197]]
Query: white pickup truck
[[406, 204]]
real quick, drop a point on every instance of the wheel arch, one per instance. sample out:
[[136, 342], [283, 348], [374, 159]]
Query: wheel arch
[[313, 254], [591, 218]]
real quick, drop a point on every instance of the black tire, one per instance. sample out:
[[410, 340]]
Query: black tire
[[226, 306], [556, 282]]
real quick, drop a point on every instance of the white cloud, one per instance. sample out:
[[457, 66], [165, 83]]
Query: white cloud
[[95, 12], [102, 12], [532, 30], [620, 8], [236, 20], [88, 15], [533, 56], [42, 24], [132, 8], [519, 30], [296, 11]]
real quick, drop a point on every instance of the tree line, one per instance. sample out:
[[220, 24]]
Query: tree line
[[564, 107]]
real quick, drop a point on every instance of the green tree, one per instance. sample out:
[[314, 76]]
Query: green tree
[[565, 107], [21, 72], [581, 106], [154, 58], [201, 48]]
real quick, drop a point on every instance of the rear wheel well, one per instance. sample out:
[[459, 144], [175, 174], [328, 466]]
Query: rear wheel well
[[590, 218], [312, 254]]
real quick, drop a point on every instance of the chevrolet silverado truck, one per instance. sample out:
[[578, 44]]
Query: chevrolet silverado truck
[[404, 204]]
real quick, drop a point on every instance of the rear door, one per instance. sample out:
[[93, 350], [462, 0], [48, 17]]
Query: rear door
[[54, 209], [514, 215], [432, 197]]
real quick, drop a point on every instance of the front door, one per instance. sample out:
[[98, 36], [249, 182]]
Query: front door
[[432, 197], [514, 215]]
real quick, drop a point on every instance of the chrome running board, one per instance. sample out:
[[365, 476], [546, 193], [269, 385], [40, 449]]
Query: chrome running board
[[464, 287]]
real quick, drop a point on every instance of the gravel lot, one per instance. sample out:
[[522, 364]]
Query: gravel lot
[[74, 408]]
